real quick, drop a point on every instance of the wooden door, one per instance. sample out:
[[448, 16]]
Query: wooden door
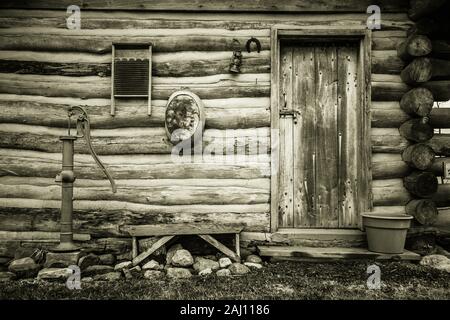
[[319, 136]]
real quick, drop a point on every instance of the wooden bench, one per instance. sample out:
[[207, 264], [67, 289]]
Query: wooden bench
[[168, 231]]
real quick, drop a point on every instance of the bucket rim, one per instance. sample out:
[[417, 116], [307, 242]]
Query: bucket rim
[[395, 216]]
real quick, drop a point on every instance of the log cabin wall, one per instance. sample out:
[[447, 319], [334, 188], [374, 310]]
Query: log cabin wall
[[44, 68]]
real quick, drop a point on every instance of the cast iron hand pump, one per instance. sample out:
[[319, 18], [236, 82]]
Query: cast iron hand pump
[[67, 176]]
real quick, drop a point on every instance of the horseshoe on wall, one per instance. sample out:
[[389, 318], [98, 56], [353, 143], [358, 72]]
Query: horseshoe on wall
[[258, 44]]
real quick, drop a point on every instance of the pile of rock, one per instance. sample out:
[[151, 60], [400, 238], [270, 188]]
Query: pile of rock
[[179, 263]]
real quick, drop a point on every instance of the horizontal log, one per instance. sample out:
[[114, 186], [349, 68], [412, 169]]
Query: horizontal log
[[414, 46], [389, 115], [386, 140], [156, 191], [39, 235], [179, 64], [417, 101], [231, 113], [386, 62], [387, 40], [163, 40], [390, 141], [180, 229], [440, 144], [388, 87], [134, 140], [391, 192], [116, 246], [417, 72], [390, 166], [186, 20], [42, 164], [230, 5], [104, 218], [208, 87], [417, 130], [422, 184], [99, 41]]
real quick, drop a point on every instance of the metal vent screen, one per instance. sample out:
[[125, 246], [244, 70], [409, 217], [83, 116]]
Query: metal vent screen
[[131, 77]]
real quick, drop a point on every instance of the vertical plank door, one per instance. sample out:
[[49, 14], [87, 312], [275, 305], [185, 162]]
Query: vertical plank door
[[286, 184], [326, 162], [304, 136]]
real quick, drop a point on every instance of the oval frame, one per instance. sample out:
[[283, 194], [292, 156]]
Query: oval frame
[[200, 106]]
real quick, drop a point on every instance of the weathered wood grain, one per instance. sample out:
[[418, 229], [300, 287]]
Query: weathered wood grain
[[180, 64], [286, 166], [387, 141], [386, 62], [215, 5], [388, 87], [231, 113], [104, 218], [134, 140], [175, 20], [391, 192], [389, 166], [208, 87], [387, 114], [42, 164], [155, 191]]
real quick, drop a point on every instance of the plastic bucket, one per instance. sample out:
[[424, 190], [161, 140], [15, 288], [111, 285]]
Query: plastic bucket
[[386, 234]]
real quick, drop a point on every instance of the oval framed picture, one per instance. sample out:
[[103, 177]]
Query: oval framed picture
[[184, 118]]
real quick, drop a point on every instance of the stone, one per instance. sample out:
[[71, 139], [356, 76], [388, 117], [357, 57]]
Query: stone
[[253, 259], [110, 276], [88, 260], [87, 279], [7, 276], [122, 265], [136, 271], [4, 260], [224, 262], [54, 274], [24, 268], [127, 274], [61, 259], [205, 272], [223, 273], [434, 260], [153, 274], [97, 269], [178, 273], [152, 265], [107, 259], [182, 258], [202, 264], [253, 265], [172, 251], [238, 268]]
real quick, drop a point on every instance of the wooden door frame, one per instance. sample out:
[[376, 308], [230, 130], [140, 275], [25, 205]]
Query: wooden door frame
[[362, 35]]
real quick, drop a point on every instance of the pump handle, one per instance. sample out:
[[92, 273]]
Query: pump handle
[[84, 131]]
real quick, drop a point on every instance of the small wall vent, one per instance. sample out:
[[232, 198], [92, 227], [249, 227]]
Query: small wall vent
[[131, 72]]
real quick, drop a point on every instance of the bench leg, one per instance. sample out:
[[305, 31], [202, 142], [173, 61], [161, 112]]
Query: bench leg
[[237, 243], [134, 248], [219, 246]]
